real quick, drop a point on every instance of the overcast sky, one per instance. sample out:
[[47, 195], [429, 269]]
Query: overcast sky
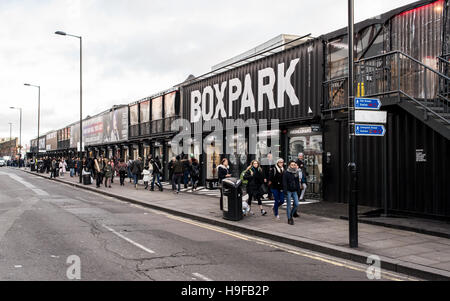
[[132, 49]]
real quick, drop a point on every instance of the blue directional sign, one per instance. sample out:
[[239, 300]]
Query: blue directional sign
[[370, 130], [367, 103]]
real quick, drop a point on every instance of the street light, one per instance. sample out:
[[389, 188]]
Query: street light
[[39, 113], [62, 33], [10, 138], [20, 131]]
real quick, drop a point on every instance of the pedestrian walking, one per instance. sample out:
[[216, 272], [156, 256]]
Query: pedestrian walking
[[146, 176], [99, 168], [157, 170], [186, 171], [267, 165], [276, 186], [223, 170], [122, 171], [108, 171], [170, 167], [129, 166], [71, 165], [53, 169], [62, 168], [254, 176], [136, 170], [178, 173], [302, 166], [195, 173], [291, 186]]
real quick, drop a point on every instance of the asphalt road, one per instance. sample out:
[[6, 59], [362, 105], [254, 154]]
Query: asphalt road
[[43, 224]]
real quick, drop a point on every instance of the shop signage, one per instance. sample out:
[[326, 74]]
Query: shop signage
[[304, 130], [270, 82], [370, 130], [420, 156], [367, 103]]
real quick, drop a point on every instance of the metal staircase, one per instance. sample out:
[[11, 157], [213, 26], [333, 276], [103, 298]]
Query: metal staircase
[[398, 78]]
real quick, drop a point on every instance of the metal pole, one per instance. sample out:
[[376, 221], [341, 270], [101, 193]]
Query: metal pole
[[81, 98], [20, 137], [352, 204], [39, 119], [10, 140]]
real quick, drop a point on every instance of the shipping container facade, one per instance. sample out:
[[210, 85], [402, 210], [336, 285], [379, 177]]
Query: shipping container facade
[[306, 62]]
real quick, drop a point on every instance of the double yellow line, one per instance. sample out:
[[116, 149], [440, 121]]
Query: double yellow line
[[311, 255]]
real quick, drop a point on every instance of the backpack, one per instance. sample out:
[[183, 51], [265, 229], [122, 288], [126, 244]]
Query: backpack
[[244, 181]]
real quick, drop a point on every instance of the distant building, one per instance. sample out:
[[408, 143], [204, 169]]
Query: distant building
[[9, 147]]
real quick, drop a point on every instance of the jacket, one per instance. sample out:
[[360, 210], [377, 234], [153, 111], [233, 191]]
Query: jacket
[[136, 167], [255, 179], [178, 167], [146, 174], [276, 178], [195, 170], [156, 167], [108, 171], [223, 172], [291, 182]]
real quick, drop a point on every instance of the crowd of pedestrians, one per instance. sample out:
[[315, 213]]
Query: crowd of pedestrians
[[283, 184]]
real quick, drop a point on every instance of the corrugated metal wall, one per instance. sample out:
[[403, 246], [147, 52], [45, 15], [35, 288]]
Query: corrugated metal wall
[[418, 33], [306, 80], [416, 187]]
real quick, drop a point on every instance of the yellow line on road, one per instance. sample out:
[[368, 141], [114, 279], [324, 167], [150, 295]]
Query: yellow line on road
[[314, 256]]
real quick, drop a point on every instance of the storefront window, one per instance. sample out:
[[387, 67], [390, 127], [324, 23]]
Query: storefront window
[[238, 160], [308, 141]]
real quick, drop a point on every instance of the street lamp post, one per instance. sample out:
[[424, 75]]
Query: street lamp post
[[61, 33], [20, 132], [352, 168], [39, 113], [10, 139]]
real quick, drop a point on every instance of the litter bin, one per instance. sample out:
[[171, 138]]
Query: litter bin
[[33, 167], [86, 177], [231, 199]]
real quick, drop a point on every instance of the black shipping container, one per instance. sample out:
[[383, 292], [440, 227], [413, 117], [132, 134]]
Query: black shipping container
[[306, 82], [418, 166]]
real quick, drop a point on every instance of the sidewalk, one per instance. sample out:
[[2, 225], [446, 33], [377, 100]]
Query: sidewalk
[[415, 254]]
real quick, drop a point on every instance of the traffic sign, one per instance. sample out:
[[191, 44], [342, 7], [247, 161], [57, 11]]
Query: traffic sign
[[370, 116], [370, 130], [367, 103]]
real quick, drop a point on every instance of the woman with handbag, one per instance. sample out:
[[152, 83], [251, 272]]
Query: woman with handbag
[[255, 177]]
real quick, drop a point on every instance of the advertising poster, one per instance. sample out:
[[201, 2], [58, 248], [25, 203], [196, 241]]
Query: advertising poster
[[75, 137], [169, 102], [42, 144], [115, 126], [51, 141], [134, 118], [145, 111]]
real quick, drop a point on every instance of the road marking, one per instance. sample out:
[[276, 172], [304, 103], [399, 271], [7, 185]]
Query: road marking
[[311, 255], [26, 184], [129, 240], [202, 277]]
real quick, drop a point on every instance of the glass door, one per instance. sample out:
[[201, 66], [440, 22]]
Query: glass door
[[310, 144]]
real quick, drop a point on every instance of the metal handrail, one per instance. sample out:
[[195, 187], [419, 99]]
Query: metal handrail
[[406, 55]]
